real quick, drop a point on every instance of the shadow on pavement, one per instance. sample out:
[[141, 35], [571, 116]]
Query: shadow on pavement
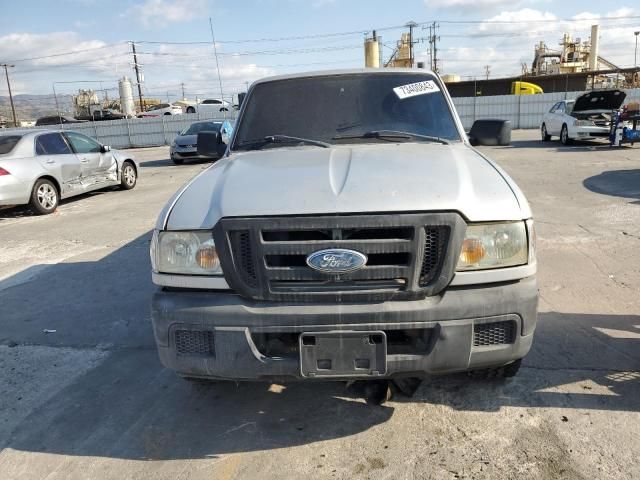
[[21, 211], [169, 163], [130, 407], [578, 361], [584, 146], [617, 183]]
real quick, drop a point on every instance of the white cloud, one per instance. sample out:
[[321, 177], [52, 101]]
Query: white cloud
[[45, 49], [466, 3], [506, 40], [526, 20], [160, 13]]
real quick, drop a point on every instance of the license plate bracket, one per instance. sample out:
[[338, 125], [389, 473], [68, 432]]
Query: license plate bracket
[[343, 354]]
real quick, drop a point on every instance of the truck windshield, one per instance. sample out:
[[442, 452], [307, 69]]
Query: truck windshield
[[351, 108]]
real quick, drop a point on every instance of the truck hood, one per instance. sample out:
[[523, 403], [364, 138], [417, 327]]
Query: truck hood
[[347, 179], [607, 100]]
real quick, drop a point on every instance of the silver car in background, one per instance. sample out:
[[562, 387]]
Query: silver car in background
[[185, 145], [41, 167]]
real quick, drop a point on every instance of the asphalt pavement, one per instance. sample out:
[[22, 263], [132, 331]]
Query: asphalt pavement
[[90, 399]]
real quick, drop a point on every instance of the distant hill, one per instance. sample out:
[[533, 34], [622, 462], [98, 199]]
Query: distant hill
[[32, 107]]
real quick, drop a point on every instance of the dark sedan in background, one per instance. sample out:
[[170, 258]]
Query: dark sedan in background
[[185, 145]]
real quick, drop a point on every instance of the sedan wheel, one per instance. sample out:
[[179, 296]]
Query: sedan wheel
[[44, 197], [129, 176], [543, 132], [564, 135]]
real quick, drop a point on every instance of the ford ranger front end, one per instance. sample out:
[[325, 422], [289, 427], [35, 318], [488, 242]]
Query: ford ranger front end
[[350, 231]]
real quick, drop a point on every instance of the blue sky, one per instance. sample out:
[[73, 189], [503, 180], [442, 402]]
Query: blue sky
[[249, 38]]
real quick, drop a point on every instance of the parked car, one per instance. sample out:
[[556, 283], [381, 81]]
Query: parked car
[[185, 145], [210, 105], [42, 167], [363, 238], [102, 115], [588, 116], [161, 109], [56, 120]]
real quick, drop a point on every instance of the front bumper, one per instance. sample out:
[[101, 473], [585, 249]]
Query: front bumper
[[186, 153], [586, 132], [234, 323]]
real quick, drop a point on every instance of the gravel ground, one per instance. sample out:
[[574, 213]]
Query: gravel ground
[[92, 401]]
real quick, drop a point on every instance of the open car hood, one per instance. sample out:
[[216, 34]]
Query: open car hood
[[599, 100]]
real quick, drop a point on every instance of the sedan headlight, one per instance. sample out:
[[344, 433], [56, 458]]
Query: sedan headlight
[[187, 253], [494, 245]]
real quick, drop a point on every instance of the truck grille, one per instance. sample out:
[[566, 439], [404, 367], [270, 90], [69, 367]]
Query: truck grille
[[265, 258]]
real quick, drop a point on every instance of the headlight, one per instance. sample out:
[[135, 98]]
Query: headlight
[[494, 245], [190, 253]]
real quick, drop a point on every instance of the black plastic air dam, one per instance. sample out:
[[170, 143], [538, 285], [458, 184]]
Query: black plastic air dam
[[453, 314]]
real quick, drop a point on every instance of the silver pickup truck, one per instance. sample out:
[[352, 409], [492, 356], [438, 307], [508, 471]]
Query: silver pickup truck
[[349, 232]]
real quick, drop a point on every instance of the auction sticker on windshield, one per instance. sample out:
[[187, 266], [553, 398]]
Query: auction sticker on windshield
[[418, 88]]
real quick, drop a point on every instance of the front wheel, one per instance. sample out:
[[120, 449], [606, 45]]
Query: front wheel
[[543, 132], [128, 176], [177, 161], [564, 135], [44, 197], [191, 110]]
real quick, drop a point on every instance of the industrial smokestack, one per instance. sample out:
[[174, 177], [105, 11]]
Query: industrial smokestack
[[593, 54]]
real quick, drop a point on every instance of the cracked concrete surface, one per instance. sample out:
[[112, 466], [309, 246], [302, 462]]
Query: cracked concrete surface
[[92, 401]]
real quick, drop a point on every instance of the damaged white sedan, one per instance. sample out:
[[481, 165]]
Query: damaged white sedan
[[587, 117], [41, 167]]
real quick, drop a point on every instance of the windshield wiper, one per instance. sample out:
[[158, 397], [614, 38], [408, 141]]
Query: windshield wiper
[[390, 134], [282, 139]]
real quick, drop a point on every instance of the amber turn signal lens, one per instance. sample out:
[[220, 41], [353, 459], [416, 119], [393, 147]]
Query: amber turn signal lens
[[472, 251], [207, 258]]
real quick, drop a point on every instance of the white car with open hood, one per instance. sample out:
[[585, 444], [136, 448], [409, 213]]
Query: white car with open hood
[[350, 231], [588, 116]]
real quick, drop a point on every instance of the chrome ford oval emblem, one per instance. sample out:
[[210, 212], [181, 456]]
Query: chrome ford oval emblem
[[336, 260]]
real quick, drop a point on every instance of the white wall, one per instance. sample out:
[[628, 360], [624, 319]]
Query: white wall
[[142, 132], [524, 111]]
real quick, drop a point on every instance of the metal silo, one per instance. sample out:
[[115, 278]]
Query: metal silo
[[126, 97]]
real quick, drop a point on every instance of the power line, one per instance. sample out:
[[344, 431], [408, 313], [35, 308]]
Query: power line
[[338, 34], [61, 54], [258, 52], [546, 20]]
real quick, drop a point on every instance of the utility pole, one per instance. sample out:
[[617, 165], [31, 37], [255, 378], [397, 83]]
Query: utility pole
[[487, 70], [13, 109], [411, 26], [182, 86], [433, 47], [138, 79], [430, 47], [635, 55], [215, 52]]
